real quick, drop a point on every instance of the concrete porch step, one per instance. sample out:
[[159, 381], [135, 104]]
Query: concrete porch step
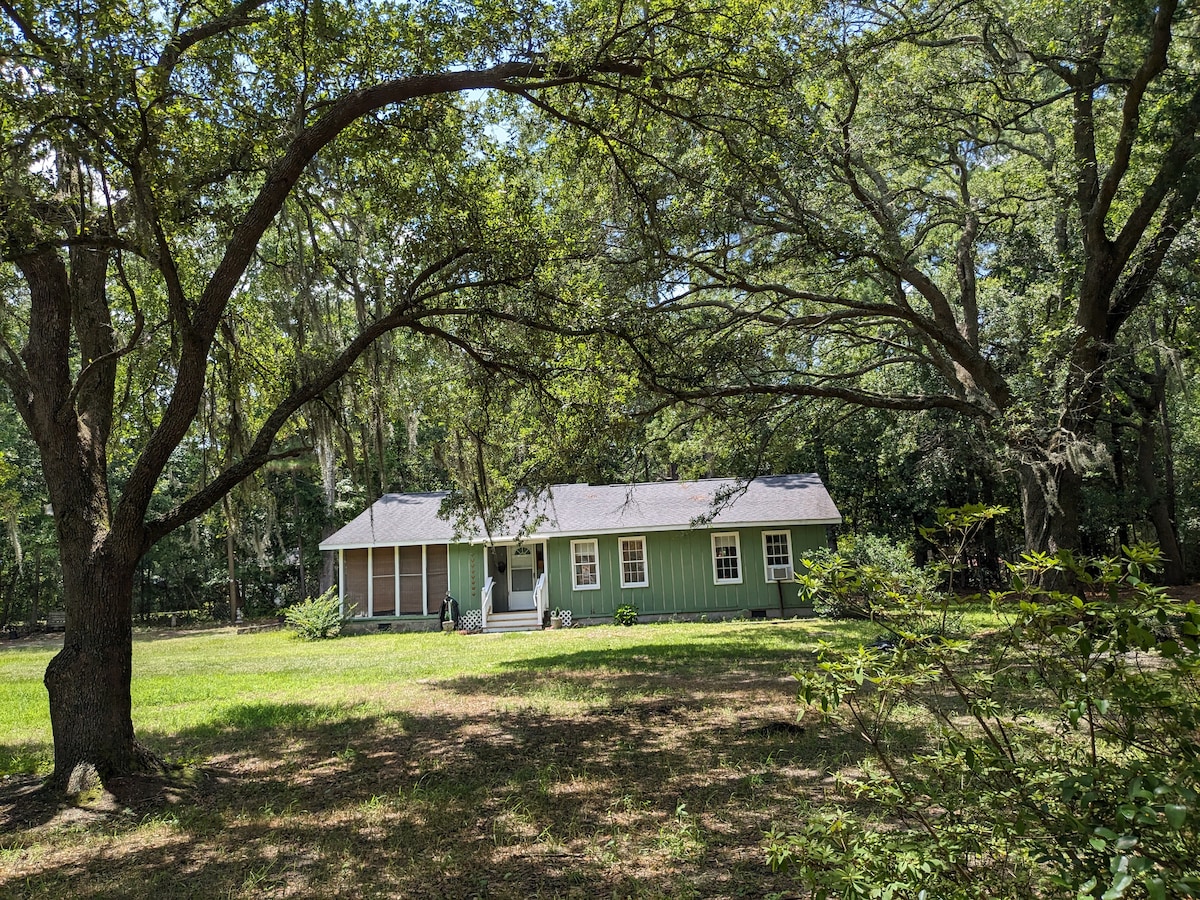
[[524, 620]]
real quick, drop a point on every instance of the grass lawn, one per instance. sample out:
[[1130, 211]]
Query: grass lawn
[[596, 762]]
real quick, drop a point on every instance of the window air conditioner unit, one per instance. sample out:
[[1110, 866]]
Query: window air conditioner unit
[[781, 573]]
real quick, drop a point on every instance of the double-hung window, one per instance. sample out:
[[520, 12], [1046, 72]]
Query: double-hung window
[[727, 558], [585, 565], [777, 555], [633, 562]]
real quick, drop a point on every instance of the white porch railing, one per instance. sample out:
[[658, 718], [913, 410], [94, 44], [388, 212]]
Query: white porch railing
[[485, 604], [541, 598]]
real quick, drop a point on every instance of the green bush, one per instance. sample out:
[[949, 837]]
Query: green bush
[[1057, 756], [866, 572], [316, 619], [625, 615]]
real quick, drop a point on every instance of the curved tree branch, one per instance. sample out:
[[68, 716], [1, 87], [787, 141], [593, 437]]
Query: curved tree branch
[[239, 249]]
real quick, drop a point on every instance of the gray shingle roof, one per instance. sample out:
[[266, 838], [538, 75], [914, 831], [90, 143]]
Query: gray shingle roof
[[582, 509]]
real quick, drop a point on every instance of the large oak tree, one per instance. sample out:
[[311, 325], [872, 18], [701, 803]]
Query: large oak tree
[[157, 158], [958, 206]]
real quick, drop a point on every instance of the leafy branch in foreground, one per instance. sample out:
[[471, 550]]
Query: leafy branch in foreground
[[1055, 756]]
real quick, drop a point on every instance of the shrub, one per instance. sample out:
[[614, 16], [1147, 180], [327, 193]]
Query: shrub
[[866, 573], [1063, 756], [317, 618], [625, 615]]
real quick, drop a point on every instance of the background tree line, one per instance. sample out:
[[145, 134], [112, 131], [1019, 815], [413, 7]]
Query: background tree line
[[265, 261]]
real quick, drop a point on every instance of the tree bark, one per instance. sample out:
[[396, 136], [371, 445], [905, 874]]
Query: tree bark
[[1050, 500], [1118, 452], [89, 680], [9, 592], [1158, 507]]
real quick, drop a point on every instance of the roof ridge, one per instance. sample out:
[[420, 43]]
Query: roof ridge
[[681, 480]]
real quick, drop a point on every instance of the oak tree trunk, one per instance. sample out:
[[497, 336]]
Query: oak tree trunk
[[1050, 500], [89, 680], [1158, 507]]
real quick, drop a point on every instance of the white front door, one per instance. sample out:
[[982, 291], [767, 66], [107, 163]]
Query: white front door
[[521, 577]]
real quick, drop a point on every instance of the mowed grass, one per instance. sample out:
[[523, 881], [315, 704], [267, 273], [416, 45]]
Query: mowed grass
[[593, 762]]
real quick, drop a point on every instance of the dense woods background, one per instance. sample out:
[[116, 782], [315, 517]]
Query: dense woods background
[[872, 244], [888, 470]]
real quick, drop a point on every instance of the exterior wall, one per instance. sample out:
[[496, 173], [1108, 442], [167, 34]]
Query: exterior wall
[[679, 570], [680, 574], [466, 574]]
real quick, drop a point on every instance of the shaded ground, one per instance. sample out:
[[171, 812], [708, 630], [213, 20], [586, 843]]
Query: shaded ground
[[464, 787], [52, 640], [606, 763]]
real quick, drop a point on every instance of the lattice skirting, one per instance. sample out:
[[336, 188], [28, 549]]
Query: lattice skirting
[[471, 620], [566, 618]]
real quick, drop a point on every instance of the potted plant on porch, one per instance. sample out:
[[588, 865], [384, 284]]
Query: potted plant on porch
[[556, 617]]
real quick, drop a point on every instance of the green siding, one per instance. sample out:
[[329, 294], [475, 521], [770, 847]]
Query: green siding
[[679, 568], [466, 574], [680, 572]]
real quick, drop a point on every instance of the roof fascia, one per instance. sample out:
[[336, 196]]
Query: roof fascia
[[641, 529]]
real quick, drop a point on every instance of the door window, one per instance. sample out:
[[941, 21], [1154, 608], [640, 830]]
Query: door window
[[521, 569]]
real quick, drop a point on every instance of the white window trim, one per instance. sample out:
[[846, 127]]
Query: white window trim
[[645, 562], [737, 546], [766, 562], [595, 542]]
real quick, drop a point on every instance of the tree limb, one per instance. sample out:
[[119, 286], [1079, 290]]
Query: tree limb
[[239, 249], [238, 16], [1131, 110]]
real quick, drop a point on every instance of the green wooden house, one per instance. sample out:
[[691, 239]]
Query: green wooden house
[[716, 547]]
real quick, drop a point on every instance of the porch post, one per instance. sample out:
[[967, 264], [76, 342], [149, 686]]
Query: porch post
[[425, 577], [370, 581], [396, 577], [342, 582]]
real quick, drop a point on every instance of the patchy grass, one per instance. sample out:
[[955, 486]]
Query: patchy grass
[[616, 762]]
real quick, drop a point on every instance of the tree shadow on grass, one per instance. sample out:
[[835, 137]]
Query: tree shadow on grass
[[147, 634], [463, 795], [762, 649]]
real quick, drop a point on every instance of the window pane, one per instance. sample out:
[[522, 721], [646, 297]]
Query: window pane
[[587, 572], [633, 561], [355, 582], [438, 565], [778, 553], [725, 549], [411, 582], [383, 581]]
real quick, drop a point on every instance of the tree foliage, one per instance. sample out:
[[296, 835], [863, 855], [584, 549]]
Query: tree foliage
[[973, 208], [208, 217], [497, 245]]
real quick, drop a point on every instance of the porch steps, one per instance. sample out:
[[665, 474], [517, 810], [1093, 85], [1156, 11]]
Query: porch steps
[[525, 620]]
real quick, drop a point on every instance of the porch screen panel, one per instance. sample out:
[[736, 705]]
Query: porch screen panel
[[383, 576], [437, 563], [410, 581], [354, 581]]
